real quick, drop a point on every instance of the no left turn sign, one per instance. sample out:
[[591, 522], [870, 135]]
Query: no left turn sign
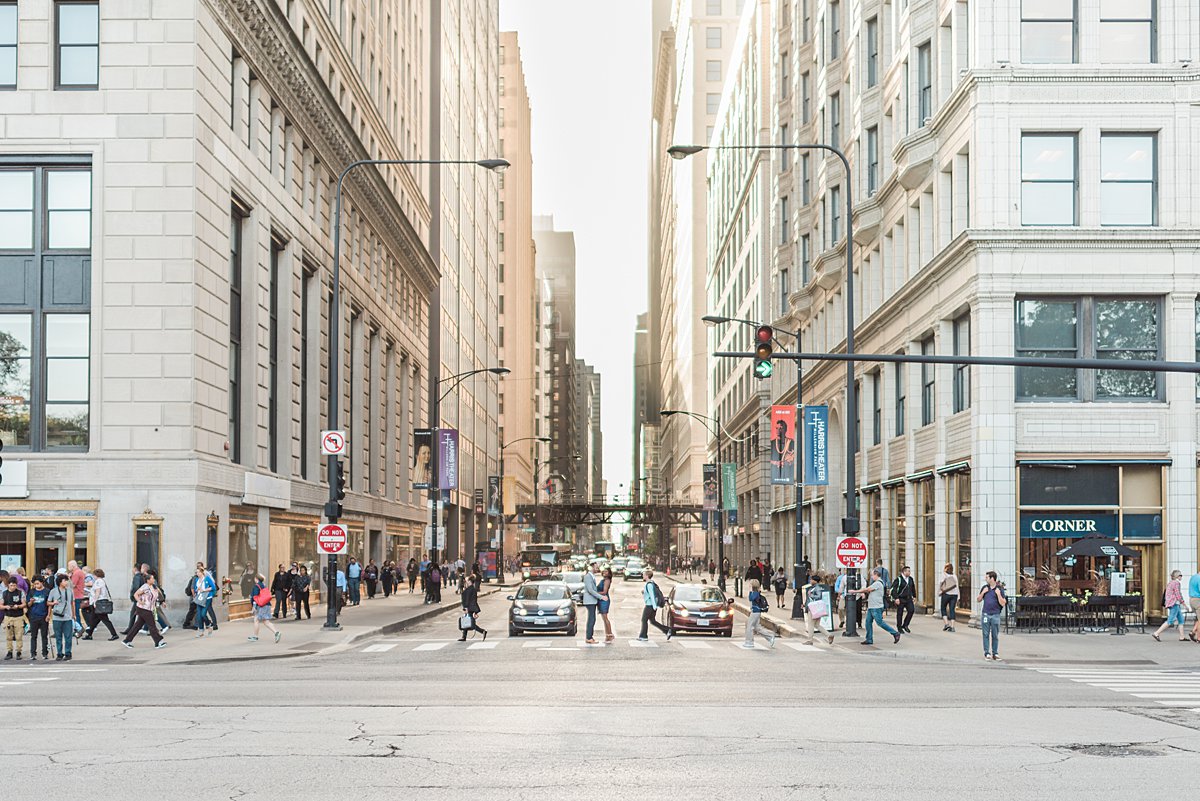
[[333, 443]]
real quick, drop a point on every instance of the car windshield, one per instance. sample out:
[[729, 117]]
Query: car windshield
[[539, 559], [542, 592], [620, 560], [710, 595], [633, 563]]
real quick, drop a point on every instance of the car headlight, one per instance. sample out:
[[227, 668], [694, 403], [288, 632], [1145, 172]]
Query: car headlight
[[682, 612], [520, 610], [724, 613], [564, 610]]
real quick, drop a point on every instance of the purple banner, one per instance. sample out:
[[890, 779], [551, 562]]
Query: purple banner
[[447, 462]]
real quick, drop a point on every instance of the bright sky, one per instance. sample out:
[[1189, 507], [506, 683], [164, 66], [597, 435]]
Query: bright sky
[[587, 66]]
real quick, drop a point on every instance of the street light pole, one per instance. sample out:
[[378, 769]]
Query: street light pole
[[850, 524]]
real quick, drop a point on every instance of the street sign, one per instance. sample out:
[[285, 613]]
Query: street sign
[[332, 538], [333, 443], [441, 537], [851, 552], [727, 539]]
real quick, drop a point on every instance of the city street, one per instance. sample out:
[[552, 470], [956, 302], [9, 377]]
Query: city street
[[516, 718]]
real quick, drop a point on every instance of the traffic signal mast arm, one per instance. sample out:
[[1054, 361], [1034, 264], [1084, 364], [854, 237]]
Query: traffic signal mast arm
[[1136, 365]]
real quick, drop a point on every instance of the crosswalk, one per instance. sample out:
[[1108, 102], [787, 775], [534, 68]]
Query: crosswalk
[[1169, 687], [19, 675], [540, 644]]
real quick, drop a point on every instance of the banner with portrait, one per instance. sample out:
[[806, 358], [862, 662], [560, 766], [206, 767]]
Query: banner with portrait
[[783, 445], [493, 496], [710, 486], [422, 464]]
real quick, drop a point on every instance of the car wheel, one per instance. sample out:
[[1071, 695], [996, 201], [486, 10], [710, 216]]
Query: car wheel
[[571, 632], [512, 632]]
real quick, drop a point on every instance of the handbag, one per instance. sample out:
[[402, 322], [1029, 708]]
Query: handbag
[[104, 606], [466, 621], [264, 597], [818, 609]]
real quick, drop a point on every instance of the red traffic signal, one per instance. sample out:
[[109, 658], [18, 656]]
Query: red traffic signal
[[765, 334]]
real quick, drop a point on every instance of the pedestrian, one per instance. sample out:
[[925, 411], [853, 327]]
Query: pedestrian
[[145, 601], [203, 588], [874, 593], [605, 588], [78, 590], [101, 604], [839, 597], [281, 588], [38, 607], [139, 578], [780, 584], [22, 583], [652, 600], [62, 616], [884, 575], [261, 601], [160, 609], [994, 600], [591, 598], [354, 579], [904, 590], [342, 588], [754, 572], [434, 584], [387, 577], [423, 572], [412, 575], [13, 603], [758, 605], [470, 611], [300, 591], [948, 593], [818, 608], [712, 569], [1173, 603], [1194, 595], [371, 576]]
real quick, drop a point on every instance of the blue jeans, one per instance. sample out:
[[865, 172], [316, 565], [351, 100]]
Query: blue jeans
[[354, 585], [591, 624], [201, 616], [875, 616], [1175, 615], [64, 635], [991, 628]]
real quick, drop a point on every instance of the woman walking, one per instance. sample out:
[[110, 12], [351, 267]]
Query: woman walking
[[780, 584], [101, 604], [387, 578], [412, 575], [203, 588], [371, 574], [818, 608], [261, 601], [145, 601], [470, 607], [758, 605], [605, 590], [300, 589], [1173, 601], [948, 592]]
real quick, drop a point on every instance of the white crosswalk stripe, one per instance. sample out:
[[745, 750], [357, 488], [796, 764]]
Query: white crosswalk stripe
[[1164, 686], [482, 646], [379, 648], [431, 646], [694, 645]]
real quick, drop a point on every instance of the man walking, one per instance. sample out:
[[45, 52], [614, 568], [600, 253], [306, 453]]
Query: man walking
[[1194, 595], [281, 587], [354, 577], [652, 598], [994, 601], [884, 575], [591, 597], [874, 593], [78, 589], [904, 590], [12, 609]]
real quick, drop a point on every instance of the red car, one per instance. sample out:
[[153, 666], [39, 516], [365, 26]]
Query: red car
[[699, 608]]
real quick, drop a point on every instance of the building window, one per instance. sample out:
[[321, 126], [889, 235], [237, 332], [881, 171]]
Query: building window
[[835, 119], [806, 20], [835, 30], [876, 407], [785, 290], [1048, 31], [805, 259], [805, 180], [712, 70], [8, 45], [1127, 34], [237, 221], [872, 52], [962, 372], [1128, 174], [805, 98], [712, 38], [924, 83], [77, 29], [45, 342], [712, 102], [835, 214], [1048, 179], [785, 223], [872, 159], [928, 384], [898, 378], [713, 8], [785, 153], [1088, 327], [784, 80]]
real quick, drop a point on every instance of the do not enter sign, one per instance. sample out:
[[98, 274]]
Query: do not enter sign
[[851, 552], [331, 538]]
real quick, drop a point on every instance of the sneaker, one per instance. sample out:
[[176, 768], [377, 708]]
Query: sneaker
[[749, 645], [643, 639], [210, 631], [831, 639], [165, 629], [58, 657], [866, 642], [161, 644], [201, 634], [670, 634], [114, 637], [252, 638], [995, 658], [8, 656], [771, 641], [20, 656], [33, 658], [67, 658], [278, 635], [127, 644]]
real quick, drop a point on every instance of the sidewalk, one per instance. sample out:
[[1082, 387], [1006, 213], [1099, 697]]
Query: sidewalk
[[929, 643], [300, 638]]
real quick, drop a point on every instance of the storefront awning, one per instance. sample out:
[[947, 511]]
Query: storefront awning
[[891, 482], [956, 467], [921, 476]]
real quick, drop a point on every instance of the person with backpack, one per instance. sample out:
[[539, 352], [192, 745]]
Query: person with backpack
[[874, 591], [38, 606], [12, 609], [904, 590], [994, 600], [145, 603], [139, 578], [434, 584], [758, 605], [780, 584], [653, 600], [261, 601], [387, 578], [101, 604]]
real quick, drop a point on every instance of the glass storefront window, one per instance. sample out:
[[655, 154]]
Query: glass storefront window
[[1069, 484], [12, 548], [960, 526], [304, 552], [146, 545], [16, 345], [927, 569], [243, 556], [899, 529]]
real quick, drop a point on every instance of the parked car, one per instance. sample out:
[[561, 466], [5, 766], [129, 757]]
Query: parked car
[[634, 570], [542, 606], [574, 582], [699, 608]]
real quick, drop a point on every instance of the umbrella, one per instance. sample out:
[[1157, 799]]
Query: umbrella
[[1096, 546]]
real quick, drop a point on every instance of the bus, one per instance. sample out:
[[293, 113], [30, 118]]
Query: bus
[[539, 561], [605, 550]]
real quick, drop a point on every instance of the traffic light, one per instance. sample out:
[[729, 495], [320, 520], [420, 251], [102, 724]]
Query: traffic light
[[333, 508], [764, 339]]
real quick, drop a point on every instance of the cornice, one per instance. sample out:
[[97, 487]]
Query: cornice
[[307, 101]]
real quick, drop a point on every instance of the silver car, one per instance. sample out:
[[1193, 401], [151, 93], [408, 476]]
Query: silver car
[[574, 582]]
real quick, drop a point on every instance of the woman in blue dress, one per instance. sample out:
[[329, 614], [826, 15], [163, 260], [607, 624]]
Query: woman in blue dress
[[605, 603]]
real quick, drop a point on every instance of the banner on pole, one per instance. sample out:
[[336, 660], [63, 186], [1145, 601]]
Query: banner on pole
[[422, 464], [493, 495], [816, 445], [783, 445], [728, 485], [447, 462], [710, 486]]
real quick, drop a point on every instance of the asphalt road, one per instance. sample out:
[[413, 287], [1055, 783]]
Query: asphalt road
[[421, 714]]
